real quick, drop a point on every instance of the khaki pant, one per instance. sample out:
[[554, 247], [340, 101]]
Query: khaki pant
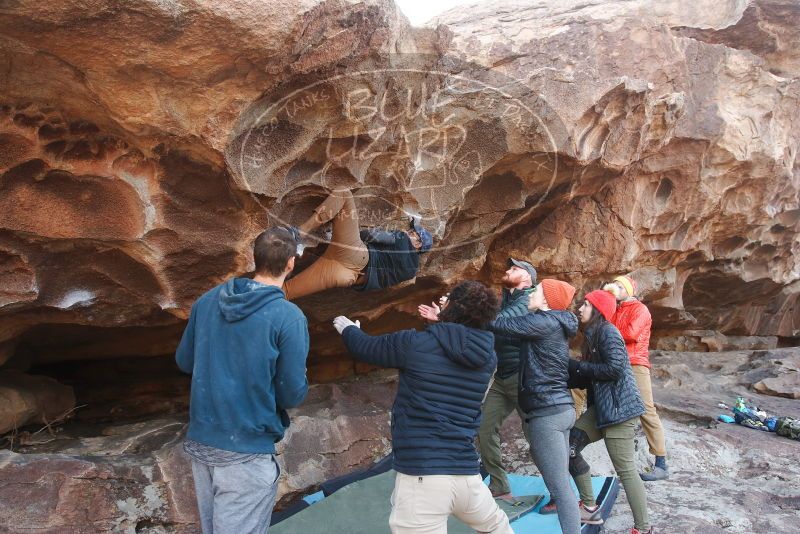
[[619, 440], [579, 397], [651, 423], [345, 257], [500, 401], [422, 505]]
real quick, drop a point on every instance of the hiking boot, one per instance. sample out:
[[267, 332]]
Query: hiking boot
[[657, 473], [591, 516], [637, 531]]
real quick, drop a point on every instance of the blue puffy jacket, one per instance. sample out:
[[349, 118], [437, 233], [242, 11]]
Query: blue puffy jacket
[[444, 374], [392, 259]]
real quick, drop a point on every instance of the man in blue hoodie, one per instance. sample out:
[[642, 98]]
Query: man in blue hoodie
[[246, 348], [444, 375]]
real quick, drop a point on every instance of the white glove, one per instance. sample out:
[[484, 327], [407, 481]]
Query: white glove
[[342, 322]]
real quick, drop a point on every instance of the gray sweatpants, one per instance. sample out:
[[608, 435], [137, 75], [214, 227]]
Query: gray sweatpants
[[549, 439], [238, 498]]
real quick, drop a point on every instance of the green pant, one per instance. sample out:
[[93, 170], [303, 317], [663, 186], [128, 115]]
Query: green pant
[[500, 402], [619, 440]]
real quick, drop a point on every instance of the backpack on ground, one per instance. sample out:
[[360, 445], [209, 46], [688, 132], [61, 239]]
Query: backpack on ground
[[788, 427]]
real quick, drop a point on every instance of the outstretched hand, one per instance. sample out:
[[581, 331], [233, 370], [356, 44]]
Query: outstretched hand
[[342, 322], [429, 313]]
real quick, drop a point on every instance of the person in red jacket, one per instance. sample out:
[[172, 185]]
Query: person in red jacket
[[633, 321]]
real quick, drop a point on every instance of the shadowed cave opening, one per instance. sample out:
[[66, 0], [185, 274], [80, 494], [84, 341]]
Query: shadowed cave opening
[[123, 376]]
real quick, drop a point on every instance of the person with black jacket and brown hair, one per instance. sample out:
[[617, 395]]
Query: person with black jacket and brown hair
[[614, 407], [444, 374], [543, 396]]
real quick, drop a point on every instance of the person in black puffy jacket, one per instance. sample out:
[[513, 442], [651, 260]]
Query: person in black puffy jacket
[[614, 407], [444, 375], [543, 394]]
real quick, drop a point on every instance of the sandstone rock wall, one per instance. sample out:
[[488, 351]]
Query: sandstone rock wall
[[144, 145]]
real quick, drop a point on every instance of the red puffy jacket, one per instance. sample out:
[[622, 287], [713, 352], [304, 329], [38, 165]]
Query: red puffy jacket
[[633, 321]]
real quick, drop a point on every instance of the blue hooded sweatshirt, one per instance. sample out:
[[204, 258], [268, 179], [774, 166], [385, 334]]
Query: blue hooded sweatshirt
[[246, 348]]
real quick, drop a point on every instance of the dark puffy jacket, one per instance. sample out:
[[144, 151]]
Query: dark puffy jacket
[[508, 347], [444, 374], [544, 370], [606, 372]]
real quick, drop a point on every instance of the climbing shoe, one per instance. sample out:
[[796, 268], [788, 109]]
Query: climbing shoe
[[327, 234], [295, 231], [657, 473], [549, 508]]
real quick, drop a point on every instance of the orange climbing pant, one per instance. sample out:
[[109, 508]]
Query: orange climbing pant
[[346, 256]]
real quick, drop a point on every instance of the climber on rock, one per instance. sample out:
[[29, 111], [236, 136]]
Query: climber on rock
[[633, 321], [361, 259]]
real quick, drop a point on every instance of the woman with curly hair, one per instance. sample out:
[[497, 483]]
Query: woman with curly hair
[[444, 374]]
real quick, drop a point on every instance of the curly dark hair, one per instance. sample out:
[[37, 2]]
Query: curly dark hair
[[472, 304]]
